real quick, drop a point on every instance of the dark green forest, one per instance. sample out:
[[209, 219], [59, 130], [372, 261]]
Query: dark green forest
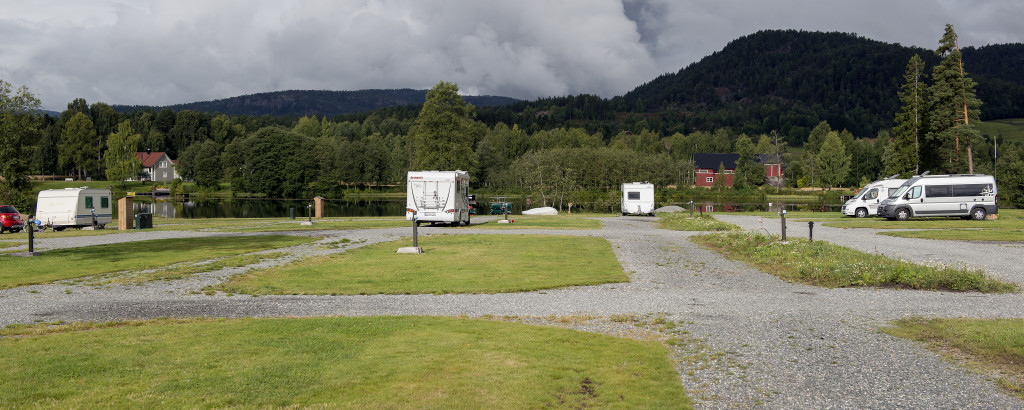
[[829, 103]]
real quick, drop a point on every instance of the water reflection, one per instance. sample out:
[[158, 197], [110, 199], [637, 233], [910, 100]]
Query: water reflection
[[283, 208]]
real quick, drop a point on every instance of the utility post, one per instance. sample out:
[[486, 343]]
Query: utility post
[[782, 214], [415, 248]]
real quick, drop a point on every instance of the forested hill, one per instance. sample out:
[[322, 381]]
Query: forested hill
[[315, 102], [790, 80]]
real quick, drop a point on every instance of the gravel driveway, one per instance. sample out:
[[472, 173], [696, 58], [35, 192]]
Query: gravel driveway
[[763, 341]]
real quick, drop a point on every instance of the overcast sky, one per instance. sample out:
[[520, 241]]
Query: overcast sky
[[151, 52]]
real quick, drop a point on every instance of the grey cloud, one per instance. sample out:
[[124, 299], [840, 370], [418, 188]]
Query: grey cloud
[[157, 52]]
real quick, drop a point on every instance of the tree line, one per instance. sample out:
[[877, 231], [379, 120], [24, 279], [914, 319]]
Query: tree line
[[315, 155]]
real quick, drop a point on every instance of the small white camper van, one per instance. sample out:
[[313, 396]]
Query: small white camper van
[[638, 198], [964, 195], [438, 197], [866, 201], [74, 207]]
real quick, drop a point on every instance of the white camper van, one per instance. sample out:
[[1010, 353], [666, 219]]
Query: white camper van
[[638, 198], [74, 207], [964, 195], [866, 201], [438, 197]]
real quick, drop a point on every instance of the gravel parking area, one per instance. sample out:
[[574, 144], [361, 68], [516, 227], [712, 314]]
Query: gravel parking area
[[753, 339]]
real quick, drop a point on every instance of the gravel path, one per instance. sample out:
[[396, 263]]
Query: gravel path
[[754, 340]]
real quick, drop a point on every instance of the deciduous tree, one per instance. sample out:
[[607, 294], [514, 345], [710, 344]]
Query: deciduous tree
[[121, 159], [444, 135], [833, 161], [77, 147], [18, 124]]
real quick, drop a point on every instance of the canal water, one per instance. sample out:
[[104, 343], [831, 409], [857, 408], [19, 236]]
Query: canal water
[[278, 208]]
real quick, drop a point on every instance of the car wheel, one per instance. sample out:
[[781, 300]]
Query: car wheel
[[979, 214], [902, 214], [862, 213]]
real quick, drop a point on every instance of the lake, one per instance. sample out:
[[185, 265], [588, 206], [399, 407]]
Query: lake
[[281, 208]]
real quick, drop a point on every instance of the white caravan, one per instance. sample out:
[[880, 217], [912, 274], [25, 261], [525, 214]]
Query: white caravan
[[964, 195], [437, 197], [74, 208], [866, 201], [638, 198]]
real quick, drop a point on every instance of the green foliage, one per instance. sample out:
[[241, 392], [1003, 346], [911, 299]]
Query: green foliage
[[444, 135], [1010, 176], [821, 263], [273, 161], [17, 127], [748, 172], [952, 92], [121, 159], [833, 162], [78, 144], [200, 163], [903, 155]]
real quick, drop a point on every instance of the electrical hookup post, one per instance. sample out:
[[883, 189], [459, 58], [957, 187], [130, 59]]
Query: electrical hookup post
[[782, 217], [415, 248]]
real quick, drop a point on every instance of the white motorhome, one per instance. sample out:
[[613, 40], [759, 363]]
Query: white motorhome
[[638, 198], [964, 195], [438, 197], [74, 207], [866, 202]]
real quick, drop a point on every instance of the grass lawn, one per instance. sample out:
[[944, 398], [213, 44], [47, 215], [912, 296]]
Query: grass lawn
[[1009, 129], [1008, 227], [824, 264], [103, 259], [989, 345], [449, 264], [541, 222], [366, 362], [681, 221]]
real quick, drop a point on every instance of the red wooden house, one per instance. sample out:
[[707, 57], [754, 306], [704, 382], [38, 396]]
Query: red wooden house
[[709, 168]]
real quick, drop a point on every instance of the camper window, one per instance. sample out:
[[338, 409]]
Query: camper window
[[104, 202], [634, 195], [88, 202], [914, 193], [937, 191], [872, 194], [969, 189]]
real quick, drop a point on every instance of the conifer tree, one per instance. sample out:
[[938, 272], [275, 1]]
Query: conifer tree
[[954, 108], [903, 154]]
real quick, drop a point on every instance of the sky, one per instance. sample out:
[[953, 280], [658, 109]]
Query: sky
[[152, 52]]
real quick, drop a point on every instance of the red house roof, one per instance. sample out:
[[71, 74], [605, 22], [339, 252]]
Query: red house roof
[[149, 158]]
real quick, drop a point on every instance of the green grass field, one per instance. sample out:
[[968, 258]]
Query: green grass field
[[1010, 129], [683, 222], [449, 264], [119, 257], [991, 346], [824, 264], [366, 362]]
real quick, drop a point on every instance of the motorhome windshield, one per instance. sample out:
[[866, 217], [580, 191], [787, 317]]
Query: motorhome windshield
[[903, 188], [860, 193]]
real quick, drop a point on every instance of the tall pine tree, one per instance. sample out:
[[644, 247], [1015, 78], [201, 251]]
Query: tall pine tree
[[954, 108], [903, 155]]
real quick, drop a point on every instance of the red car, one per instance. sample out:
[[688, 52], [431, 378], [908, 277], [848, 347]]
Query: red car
[[10, 219]]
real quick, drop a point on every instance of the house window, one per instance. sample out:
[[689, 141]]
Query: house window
[[104, 202], [702, 171], [729, 171], [163, 164], [709, 179], [88, 202]]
